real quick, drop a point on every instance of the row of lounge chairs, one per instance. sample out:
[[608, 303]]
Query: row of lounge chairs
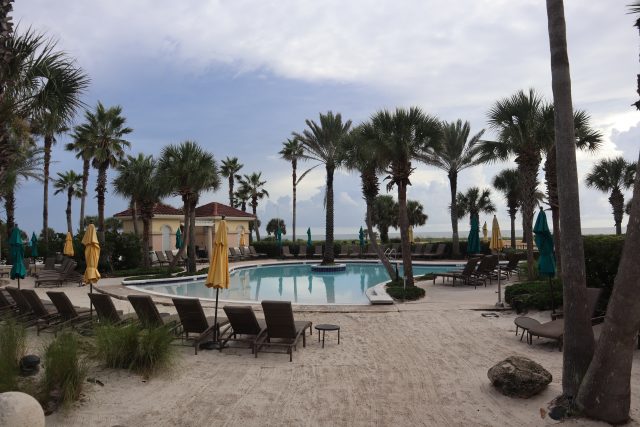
[[477, 271], [420, 251], [278, 329], [235, 254], [52, 275]]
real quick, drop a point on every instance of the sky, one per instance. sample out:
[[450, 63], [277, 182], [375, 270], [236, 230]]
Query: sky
[[239, 76]]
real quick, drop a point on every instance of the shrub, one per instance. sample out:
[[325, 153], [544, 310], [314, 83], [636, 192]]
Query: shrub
[[65, 370], [144, 351], [124, 249], [535, 294], [396, 290], [602, 257], [12, 348]]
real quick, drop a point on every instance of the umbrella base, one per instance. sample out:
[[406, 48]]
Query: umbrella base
[[211, 345]]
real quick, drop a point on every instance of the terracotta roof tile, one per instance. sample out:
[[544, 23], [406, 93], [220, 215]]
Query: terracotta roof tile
[[158, 209], [218, 209]]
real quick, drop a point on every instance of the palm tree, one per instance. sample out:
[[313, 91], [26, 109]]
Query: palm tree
[[516, 120], [384, 215], [84, 149], [404, 135], [187, 170], [292, 151], [473, 202], [612, 176], [69, 182], [54, 118], [106, 130], [455, 153], [137, 181], [229, 169], [586, 139], [273, 224], [507, 182], [254, 185], [241, 197], [323, 143], [361, 154], [415, 213], [26, 164], [36, 80]]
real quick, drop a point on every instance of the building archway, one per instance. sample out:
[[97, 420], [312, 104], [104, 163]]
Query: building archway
[[166, 238]]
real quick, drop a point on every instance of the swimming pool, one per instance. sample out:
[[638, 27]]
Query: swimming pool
[[291, 282]]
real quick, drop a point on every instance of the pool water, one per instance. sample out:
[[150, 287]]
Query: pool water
[[292, 282]]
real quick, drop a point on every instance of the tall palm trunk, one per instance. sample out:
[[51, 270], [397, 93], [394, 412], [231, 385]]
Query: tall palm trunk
[[578, 342], [370, 191], [254, 207], [10, 208], [101, 189], [146, 213], [134, 217], [551, 178], [512, 216], [528, 169], [453, 185], [231, 181], [294, 166], [617, 203], [68, 210], [403, 222], [328, 255], [605, 391], [48, 142], [191, 268], [85, 181]]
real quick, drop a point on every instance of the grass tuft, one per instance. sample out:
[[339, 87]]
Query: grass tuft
[[12, 349], [65, 371]]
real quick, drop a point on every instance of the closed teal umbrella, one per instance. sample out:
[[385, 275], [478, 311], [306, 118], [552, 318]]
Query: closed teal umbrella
[[18, 271], [309, 242], [473, 242], [361, 237], [34, 245], [178, 238], [544, 242], [279, 236]]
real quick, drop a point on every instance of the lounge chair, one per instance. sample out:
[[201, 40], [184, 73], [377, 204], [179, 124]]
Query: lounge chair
[[318, 252], [485, 269], [106, 311], [354, 251], [302, 251], [162, 259], [278, 316], [439, 253], [49, 263], [419, 249], [22, 309], [46, 316], [369, 252], [67, 274], [236, 254], [244, 324], [194, 321], [344, 251], [232, 256], [466, 275], [555, 329], [71, 316], [255, 254], [6, 306], [246, 250], [285, 252], [169, 256], [512, 265], [148, 313]]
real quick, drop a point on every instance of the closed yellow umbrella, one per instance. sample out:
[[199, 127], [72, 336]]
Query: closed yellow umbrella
[[218, 276], [92, 257], [243, 238], [68, 245], [496, 237]]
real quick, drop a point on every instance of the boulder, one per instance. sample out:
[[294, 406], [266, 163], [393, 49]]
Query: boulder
[[20, 410], [518, 376]]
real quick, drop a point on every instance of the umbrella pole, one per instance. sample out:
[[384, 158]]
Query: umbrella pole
[[18, 282], [553, 308], [215, 320], [90, 303]]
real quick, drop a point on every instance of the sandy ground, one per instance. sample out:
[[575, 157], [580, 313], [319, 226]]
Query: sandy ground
[[421, 363]]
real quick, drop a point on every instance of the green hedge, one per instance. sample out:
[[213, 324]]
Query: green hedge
[[397, 291], [602, 257], [536, 295]]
